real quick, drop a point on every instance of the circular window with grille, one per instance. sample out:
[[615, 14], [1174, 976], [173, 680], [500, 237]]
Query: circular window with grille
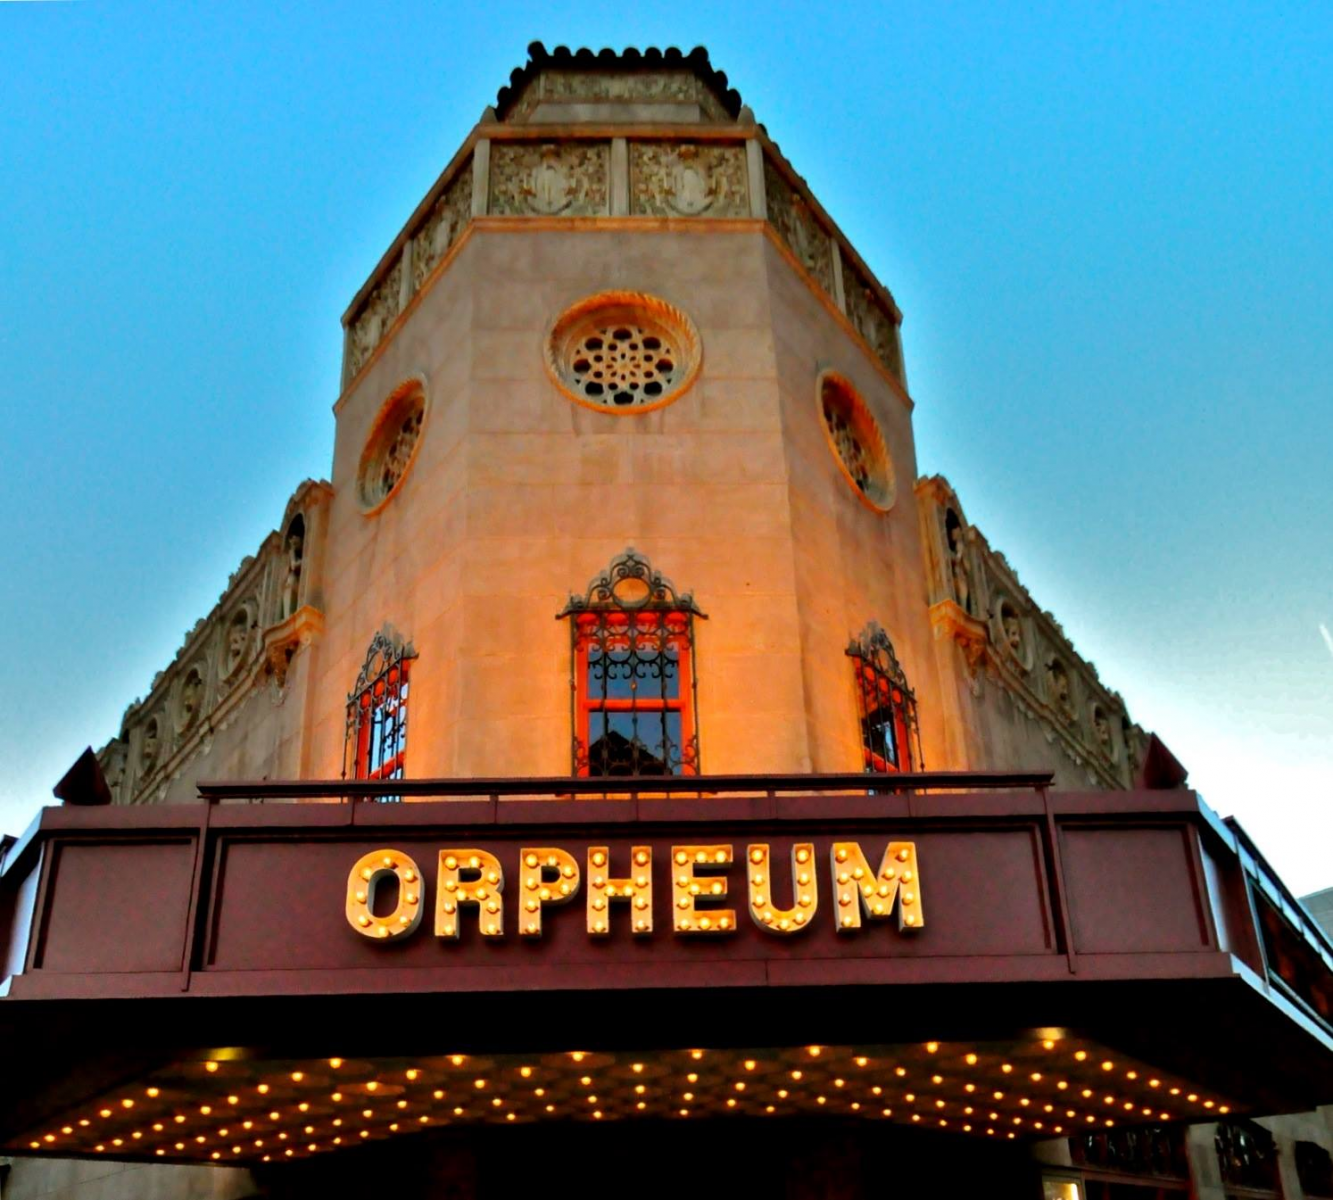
[[623, 352], [855, 439], [392, 445]]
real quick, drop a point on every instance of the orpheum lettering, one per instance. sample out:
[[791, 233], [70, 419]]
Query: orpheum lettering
[[781, 898]]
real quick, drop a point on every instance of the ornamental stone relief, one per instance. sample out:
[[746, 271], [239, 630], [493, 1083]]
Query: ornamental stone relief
[[442, 226], [567, 179], [674, 86], [869, 319], [392, 445], [375, 318], [672, 179], [796, 225]]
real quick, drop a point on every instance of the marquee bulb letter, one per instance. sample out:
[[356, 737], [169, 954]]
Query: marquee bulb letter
[[634, 889], [369, 873], [804, 889], [483, 887], [856, 888], [688, 886], [549, 876]]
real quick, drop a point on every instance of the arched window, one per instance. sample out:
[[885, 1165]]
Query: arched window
[[635, 708], [890, 740], [375, 740]]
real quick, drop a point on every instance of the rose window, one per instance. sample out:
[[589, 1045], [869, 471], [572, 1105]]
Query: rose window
[[855, 438], [623, 352], [392, 445]]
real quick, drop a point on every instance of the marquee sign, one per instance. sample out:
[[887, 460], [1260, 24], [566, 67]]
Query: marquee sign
[[386, 890]]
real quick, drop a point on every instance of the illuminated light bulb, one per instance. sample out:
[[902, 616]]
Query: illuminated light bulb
[[876, 1090], [900, 1071], [911, 1097], [1035, 1076], [931, 1047], [937, 1079], [1080, 1055], [178, 1119], [210, 1067], [1085, 1093], [821, 1099], [373, 1086], [1175, 1091], [262, 1089], [1222, 1108], [814, 1051], [1191, 1097], [297, 1076], [1152, 1083], [205, 1109], [1006, 1067], [796, 1075], [1206, 1104], [861, 1061], [1048, 1044], [731, 1102], [1062, 1085]]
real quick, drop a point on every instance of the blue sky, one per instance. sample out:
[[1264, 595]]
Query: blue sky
[[1110, 228]]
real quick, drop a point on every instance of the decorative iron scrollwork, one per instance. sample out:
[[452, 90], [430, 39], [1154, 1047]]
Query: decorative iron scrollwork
[[635, 701], [890, 736], [375, 735]]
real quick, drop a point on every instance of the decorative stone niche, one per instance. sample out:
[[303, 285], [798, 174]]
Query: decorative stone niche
[[392, 446], [855, 439], [623, 352]]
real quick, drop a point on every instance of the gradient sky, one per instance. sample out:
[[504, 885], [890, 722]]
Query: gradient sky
[[1110, 228]]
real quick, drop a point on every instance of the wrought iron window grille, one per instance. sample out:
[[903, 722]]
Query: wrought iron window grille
[[633, 694], [375, 735], [886, 705]]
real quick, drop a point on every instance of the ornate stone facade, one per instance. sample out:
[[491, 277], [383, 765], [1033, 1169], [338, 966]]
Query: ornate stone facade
[[265, 614], [1011, 643], [549, 179], [687, 179], [792, 217]]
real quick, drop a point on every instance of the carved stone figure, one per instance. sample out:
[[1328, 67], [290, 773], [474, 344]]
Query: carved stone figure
[[148, 751], [796, 224], [238, 635], [192, 695], [373, 321], [442, 226], [871, 321], [291, 587], [1102, 728], [1058, 679], [1013, 630], [958, 569]]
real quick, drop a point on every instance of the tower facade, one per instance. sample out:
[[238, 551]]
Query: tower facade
[[619, 333]]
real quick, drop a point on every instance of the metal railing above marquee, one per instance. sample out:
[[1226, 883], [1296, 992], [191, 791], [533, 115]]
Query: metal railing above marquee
[[562, 787]]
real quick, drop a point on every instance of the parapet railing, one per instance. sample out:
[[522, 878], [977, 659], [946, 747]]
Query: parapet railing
[[564, 787]]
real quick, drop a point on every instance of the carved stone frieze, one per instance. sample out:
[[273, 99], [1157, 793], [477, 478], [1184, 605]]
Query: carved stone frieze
[[566, 179], [442, 226], [798, 228], [682, 179], [869, 318], [376, 316]]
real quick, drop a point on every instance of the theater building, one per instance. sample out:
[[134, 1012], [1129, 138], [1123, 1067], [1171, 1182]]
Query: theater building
[[629, 774]]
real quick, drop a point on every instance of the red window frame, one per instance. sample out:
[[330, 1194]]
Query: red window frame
[[670, 629], [388, 690], [878, 692]]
